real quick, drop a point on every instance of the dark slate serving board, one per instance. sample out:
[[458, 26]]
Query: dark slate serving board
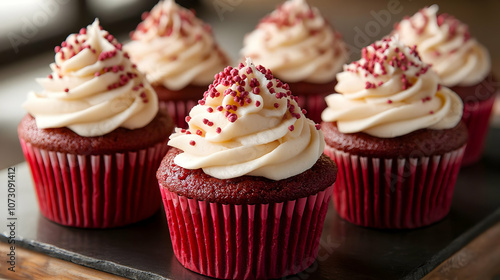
[[144, 251]]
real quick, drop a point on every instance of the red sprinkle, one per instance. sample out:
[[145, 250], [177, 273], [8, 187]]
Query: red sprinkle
[[210, 110], [257, 103], [192, 143], [188, 118], [66, 90], [218, 130], [318, 126], [199, 132], [276, 105], [232, 118], [291, 128]]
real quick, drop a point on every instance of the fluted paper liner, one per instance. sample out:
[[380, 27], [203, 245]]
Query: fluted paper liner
[[96, 191], [394, 193], [178, 110], [476, 117], [246, 241], [314, 104]]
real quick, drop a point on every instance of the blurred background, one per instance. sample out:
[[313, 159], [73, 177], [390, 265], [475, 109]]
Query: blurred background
[[29, 30]]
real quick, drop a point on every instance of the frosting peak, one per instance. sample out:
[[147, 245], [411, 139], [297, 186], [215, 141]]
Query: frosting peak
[[174, 48], [248, 123], [93, 89], [297, 44], [390, 92], [445, 42]]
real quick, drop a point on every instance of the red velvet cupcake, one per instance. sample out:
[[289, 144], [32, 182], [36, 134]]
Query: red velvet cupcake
[[302, 49], [396, 137], [93, 137], [178, 54], [247, 187], [463, 65]]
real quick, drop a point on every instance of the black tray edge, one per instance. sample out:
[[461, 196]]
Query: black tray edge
[[457, 244]]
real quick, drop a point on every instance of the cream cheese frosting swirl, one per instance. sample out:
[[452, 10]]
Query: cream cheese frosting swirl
[[390, 92], [445, 42], [248, 123], [297, 44], [93, 89], [174, 48]]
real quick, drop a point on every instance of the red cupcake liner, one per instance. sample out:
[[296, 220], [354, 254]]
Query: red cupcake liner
[[178, 110], [246, 241], [394, 193], [314, 105], [96, 191], [476, 116]]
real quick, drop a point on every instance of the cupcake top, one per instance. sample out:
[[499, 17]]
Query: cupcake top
[[93, 88], [174, 48], [446, 43], [248, 123], [297, 44], [390, 92]]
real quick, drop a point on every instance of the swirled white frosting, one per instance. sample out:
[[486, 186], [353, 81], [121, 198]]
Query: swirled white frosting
[[174, 48], [93, 88], [297, 44], [390, 92], [248, 123], [445, 42]]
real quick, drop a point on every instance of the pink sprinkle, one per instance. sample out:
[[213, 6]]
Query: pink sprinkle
[[304, 111], [57, 49], [210, 110], [192, 143], [256, 90], [269, 85], [249, 70], [218, 130], [220, 108], [97, 74], [199, 132], [439, 86], [318, 126], [83, 31], [431, 112], [291, 128], [188, 118], [50, 76], [205, 121], [210, 123], [232, 118], [389, 101]]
